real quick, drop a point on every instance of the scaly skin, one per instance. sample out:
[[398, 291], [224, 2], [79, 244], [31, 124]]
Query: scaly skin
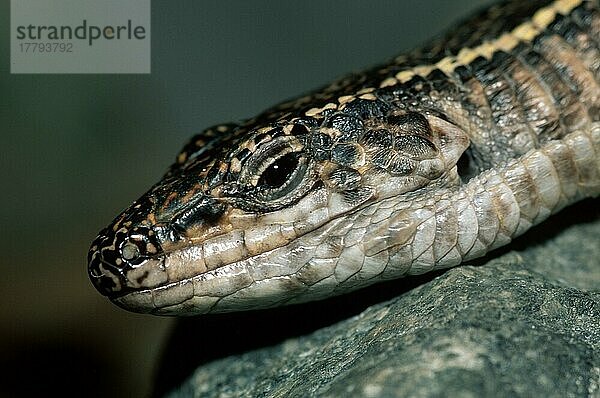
[[436, 158]]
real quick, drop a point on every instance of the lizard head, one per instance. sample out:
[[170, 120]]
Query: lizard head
[[254, 215]]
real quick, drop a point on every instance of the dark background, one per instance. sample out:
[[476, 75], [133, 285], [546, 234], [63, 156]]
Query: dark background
[[77, 149]]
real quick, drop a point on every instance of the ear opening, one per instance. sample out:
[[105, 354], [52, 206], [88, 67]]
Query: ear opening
[[466, 166]]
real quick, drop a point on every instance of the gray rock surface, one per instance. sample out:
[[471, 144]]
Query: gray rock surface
[[526, 323]]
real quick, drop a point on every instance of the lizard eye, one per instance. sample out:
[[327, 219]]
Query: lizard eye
[[282, 175], [277, 175]]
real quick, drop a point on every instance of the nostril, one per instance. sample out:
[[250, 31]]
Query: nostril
[[130, 252]]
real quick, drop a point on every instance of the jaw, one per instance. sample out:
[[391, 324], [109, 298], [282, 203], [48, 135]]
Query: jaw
[[309, 268]]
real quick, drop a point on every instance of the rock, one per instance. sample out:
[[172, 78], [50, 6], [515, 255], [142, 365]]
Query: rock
[[523, 324]]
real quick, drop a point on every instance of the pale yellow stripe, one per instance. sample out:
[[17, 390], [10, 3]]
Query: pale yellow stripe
[[525, 32], [566, 6]]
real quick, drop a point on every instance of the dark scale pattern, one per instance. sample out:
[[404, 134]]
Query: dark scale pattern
[[350, 127], [378, 138], [346, 154], [411, 123], [367, 109], [571, 112], [487, 25], [538, 91], [108, 254], [439, 80], [586, 47], [537, 105], [415, 146], [587, 16], [397, 148], [507, 114], [320, 146], [204, 146], [572, 70]]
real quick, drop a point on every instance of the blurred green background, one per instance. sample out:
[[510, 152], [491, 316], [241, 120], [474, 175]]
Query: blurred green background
[[77, 149]]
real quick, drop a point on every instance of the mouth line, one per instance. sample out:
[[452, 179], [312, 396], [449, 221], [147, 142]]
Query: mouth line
[[215, 272]]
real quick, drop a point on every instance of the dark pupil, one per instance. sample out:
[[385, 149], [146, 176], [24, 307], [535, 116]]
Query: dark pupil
[[279, 171]]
